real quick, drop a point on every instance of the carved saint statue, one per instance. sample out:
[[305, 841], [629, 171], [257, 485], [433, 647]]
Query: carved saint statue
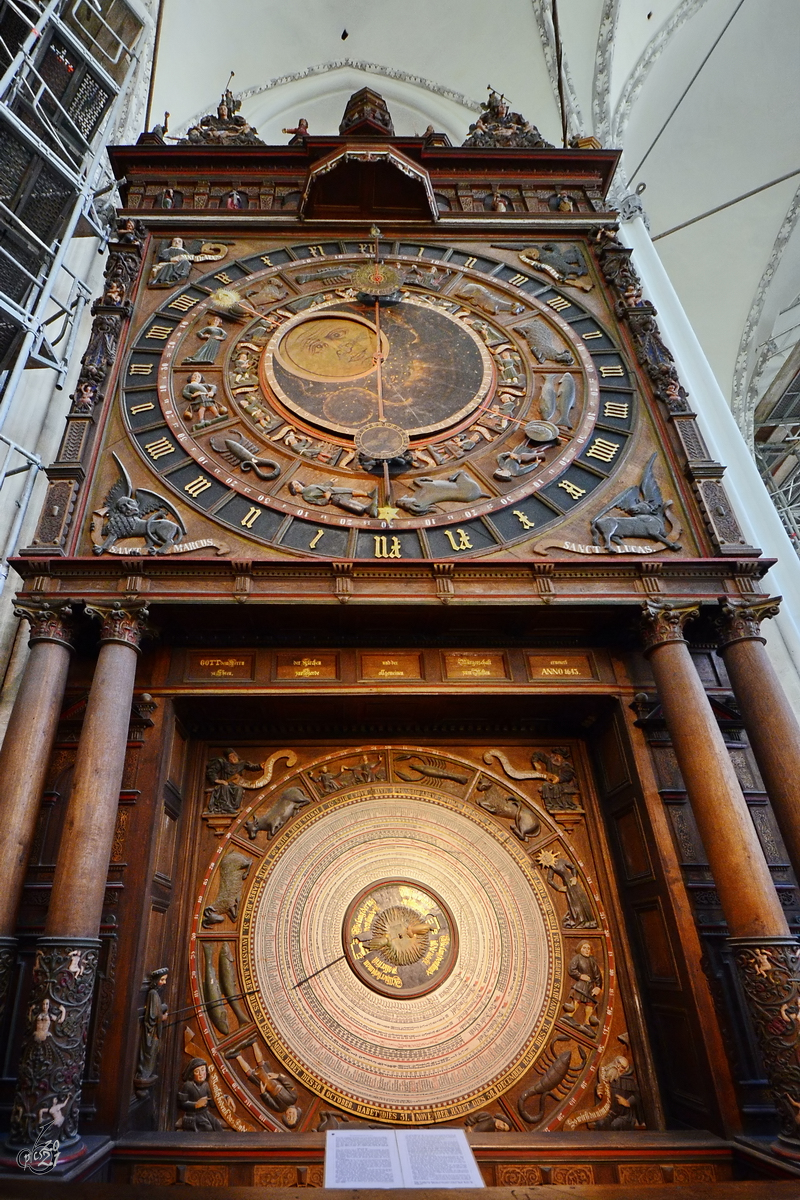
[[155, 1012], [194, 1098], [224, 774]]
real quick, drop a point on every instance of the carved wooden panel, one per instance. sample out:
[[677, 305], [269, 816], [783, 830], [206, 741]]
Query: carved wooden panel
[[432, 912]]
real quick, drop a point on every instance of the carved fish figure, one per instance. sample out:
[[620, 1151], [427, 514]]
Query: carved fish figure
[[227, 978], [212, 995], [566, 400], [548, 400]]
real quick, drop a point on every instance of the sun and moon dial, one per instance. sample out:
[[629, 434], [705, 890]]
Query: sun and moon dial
[[379, 399]]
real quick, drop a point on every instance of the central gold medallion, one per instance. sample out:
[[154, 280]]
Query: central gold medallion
[[399, 938]]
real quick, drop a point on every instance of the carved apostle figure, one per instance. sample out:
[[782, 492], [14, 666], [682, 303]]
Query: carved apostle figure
[[194, 1098], [224, 774], [155, 1011]]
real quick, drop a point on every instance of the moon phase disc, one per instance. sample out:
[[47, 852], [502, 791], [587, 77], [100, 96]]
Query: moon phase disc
[[399, 939]]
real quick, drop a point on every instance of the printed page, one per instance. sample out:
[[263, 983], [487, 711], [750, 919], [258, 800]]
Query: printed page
[[362, 1158], [437, 1158]]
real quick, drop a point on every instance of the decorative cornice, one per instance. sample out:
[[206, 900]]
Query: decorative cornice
[[124, 621], [741, 619], [49, 621], [663, 622]]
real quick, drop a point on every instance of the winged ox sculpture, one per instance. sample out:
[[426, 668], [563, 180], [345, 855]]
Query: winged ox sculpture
[[646, 514]]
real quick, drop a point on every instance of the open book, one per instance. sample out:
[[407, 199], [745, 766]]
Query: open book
[[403, 1158]]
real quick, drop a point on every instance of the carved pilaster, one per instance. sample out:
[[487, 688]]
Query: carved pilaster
[[741, 619], [50, 621], [54, 1046], [769, 972], [663, 621], [110, 313], [124, 621], [8, 956]]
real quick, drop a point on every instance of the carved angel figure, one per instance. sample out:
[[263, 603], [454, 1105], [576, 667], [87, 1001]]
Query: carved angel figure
[[140, 513], [647, 512]]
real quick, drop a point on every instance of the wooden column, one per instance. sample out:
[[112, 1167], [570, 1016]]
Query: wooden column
[[54, 1047], [25, 755], [766, 955], [767, 716]]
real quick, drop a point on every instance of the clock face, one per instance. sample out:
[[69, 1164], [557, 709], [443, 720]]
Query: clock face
[[471, 409]]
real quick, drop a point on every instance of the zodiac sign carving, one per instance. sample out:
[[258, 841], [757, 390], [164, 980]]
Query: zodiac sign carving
[[431, 492], [285, 807]]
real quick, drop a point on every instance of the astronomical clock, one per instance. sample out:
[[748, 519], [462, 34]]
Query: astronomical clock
[[403, 864], [387, 399]]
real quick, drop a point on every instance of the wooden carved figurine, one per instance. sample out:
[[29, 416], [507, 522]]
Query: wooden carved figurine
[[155, 1012]]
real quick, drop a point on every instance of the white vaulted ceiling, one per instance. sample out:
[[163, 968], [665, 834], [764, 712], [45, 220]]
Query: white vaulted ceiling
[[706, 92]]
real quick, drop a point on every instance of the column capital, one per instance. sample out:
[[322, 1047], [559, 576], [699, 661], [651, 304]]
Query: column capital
[[740, 620], [663, 621], [123, 621], [50, 619]]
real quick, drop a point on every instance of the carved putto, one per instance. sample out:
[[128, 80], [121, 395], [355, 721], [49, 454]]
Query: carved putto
[[498, 127]]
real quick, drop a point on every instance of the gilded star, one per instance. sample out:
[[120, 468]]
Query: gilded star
[[388, 513]]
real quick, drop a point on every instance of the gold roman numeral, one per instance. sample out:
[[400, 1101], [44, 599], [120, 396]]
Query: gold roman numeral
[[518, 279], [141, 368], [250, 517], [608, 372], [614, 408], [385, 549], [463, 542], [196, 486], [183, 303], [523, 519], [140, 408], [558, 303], [572, 489], [603, 449], [593, 333], [159, 448]]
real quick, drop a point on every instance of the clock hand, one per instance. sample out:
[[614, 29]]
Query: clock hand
[[314, 973], [378, 359]]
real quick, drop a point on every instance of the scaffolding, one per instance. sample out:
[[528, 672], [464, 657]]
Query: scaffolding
[[66, 68]]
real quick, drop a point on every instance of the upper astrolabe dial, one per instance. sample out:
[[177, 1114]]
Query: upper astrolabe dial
[[323, 367]]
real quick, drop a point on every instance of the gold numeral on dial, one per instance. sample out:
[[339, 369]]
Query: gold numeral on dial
[[463, 542]]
